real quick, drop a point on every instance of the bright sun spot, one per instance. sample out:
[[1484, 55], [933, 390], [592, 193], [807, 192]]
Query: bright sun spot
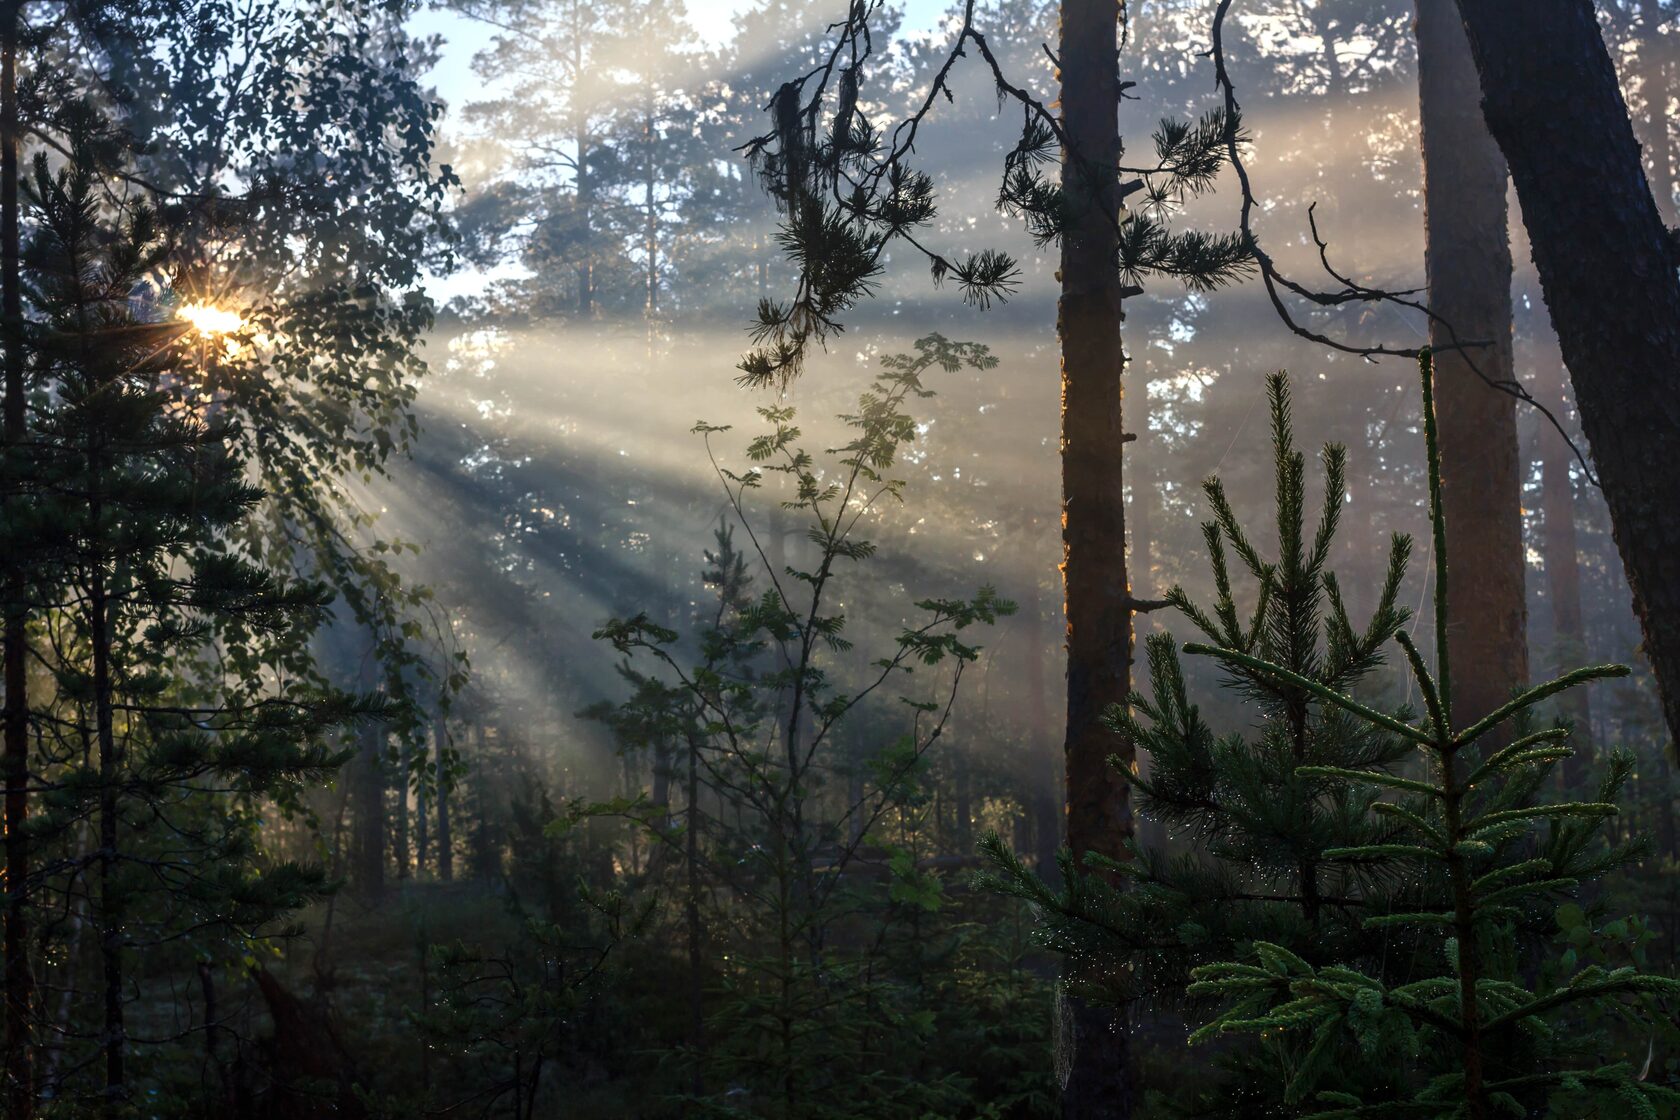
[[209, 319]]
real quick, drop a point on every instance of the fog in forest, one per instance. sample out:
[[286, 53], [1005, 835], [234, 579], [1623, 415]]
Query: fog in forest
[[577, 558]]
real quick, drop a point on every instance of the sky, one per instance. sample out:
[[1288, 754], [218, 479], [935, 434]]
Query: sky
[[712, 19]]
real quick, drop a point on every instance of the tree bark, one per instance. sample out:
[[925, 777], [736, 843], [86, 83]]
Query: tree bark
[[1468, 252], [445, 839], [1043, 781], [20, 1089], [400, 787], [422, 814], [695, 929], [367, 840], [1141, 531], [1655, 63], [113, 1037], [1096, 589], [1563, 580], [1607, 267], [585, 206]]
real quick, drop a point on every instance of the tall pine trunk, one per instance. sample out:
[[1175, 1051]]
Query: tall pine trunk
[[445, 839], [651, 231], [367, 839], [585, 206], [1655, 74], [113, 1036], [400, 786], [1097, 592], [20, 1089], [1561, 556], [1551, 99], [422, 813], [694, 928], [1043, 785], [1469, 261], [1145, 501]]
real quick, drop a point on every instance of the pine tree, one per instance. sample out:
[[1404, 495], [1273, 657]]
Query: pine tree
[[1346, 850], [1466, 1030], [1259, 831], [163, 634]]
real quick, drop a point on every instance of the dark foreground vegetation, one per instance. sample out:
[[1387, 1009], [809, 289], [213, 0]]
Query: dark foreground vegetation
[[410, 710]]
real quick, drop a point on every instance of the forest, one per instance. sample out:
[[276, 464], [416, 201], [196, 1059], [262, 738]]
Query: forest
[[818, 559]]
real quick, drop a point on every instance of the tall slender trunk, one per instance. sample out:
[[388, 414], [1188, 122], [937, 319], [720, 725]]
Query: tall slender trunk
[[1146, 499], [20, 985], [367, 840], [962, 799], [651, 233], [695, 930], [401, 855], [1563, 578], [422, 813], [445, 839], [487, 864], [1551, 98], [113, 1038], [585, 205], [1098, 593], [1655, 73], [1043, 783], [1469, 265]]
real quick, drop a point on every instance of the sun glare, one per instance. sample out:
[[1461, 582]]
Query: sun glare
[[209, 319]]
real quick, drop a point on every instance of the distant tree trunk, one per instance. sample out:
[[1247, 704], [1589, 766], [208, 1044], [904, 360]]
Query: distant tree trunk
[[1145, 499], [367, 778], [445, 840], [1468, 252], [651, 233], [1607, 266], [20, 984], [400, 788], [1563, 578], [1098, 593], [585, 188], [1043, 785], [857, 769], [1656, 74], [113, 1036], [422, 813], [661, 795], [487, 862], [695, 929], [962, 799]]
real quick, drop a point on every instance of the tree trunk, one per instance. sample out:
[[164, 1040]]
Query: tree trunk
[[695, 930], [367, 840], [1098, 603], [1469, 261], [1043, 783], [1655, 72], [1607, 267], [445, 839], [487, 861], [651, 233], [20, 1088], [1563, 580], [112, 1037], [962, 799], [400, 787], [1145, 501], [585, 205], [422, 814]]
